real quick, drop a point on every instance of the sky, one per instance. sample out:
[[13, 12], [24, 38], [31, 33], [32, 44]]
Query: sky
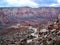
[[30, 3]]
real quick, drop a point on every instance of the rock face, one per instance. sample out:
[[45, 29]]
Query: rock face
[[28, 15]]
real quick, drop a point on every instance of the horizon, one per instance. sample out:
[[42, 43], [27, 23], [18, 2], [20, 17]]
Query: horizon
[[29, 7]]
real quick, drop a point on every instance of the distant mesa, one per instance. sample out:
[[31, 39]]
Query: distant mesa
[[11, 15]]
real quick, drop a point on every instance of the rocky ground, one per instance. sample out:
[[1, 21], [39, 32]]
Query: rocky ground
[[28, 35], [25, 38]]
